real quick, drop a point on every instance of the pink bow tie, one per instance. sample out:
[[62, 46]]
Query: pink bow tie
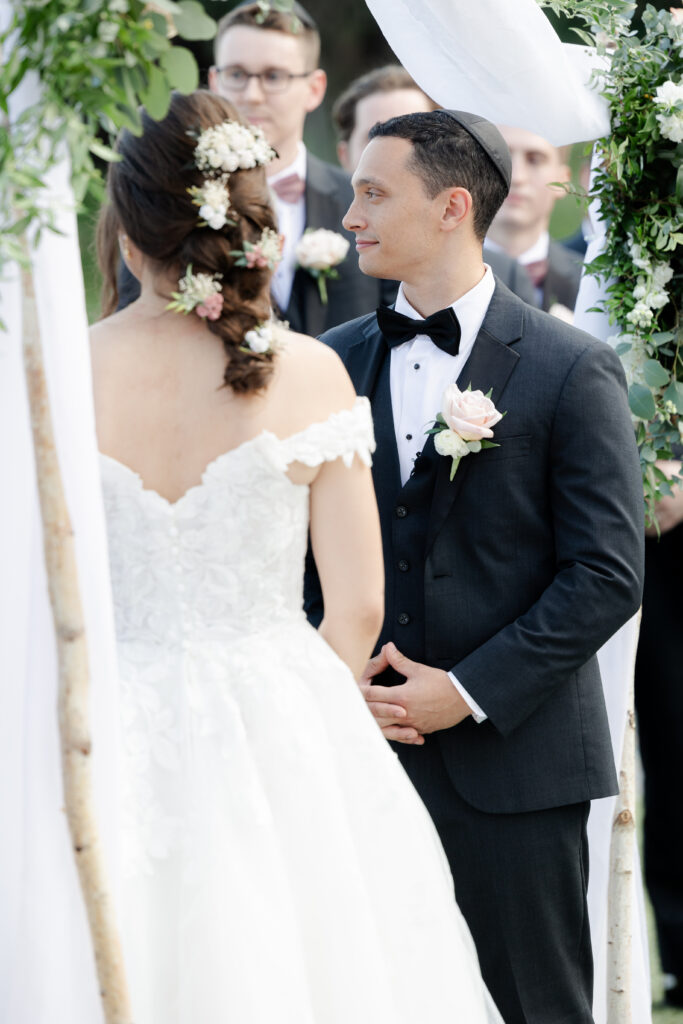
[[289, 189], [537, 271]]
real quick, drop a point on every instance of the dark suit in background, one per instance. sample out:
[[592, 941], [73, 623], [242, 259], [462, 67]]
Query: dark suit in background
[[512, 576], [659, 703], [562, 281]]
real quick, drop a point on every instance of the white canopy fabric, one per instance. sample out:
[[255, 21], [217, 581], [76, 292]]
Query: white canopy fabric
[[47, 973], [498, 58]]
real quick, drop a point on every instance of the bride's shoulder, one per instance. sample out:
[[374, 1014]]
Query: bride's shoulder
[[314, 371]]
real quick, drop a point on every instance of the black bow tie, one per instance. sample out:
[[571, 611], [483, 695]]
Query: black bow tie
[[442, 327]]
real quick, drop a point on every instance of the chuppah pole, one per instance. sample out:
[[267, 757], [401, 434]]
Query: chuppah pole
[[72, 655], [620, 897]]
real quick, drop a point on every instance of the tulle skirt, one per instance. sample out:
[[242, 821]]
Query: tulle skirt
[[279, 866]]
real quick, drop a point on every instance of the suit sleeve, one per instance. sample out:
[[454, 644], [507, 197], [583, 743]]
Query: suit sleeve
[[597, 509]]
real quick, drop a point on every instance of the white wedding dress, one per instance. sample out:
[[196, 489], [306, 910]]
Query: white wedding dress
[[279, 867]]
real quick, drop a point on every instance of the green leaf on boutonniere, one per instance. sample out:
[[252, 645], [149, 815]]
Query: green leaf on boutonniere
[[490, 444], [454, 465], [489, 392]]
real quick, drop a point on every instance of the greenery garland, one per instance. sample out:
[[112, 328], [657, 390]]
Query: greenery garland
[[639, 183], [96, 62]]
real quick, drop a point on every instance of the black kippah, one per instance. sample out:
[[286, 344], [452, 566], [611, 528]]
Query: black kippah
[[489, 138]]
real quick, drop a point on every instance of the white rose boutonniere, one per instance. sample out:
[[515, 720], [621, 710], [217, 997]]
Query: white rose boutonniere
[[319, 251], [465, 424]]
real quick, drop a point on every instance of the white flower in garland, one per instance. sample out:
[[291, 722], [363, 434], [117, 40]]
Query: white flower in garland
[[670, 96], [213, 200], [199, 292], [231, 146], [641, 315]]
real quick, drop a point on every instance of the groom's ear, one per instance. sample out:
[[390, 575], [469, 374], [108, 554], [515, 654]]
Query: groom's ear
[[457, 208]]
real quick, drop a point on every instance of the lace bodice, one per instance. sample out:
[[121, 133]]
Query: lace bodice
[[227, 557]]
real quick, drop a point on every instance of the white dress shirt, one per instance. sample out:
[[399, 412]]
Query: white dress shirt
[[419, 373], [291, 219]]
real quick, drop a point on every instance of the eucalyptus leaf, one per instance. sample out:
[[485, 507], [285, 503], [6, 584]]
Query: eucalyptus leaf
[[655, 374], [181, 69], [157, 96], [674, 393], [641, 402], [192, 21]]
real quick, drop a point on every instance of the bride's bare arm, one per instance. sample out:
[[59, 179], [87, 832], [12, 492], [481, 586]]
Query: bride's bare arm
[[347, 546]]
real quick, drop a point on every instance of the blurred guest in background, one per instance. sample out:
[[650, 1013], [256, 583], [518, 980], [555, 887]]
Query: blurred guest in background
[[376, 97], [521, 226], [659, 703]]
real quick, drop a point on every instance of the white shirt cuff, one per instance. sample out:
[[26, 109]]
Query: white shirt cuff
[[477, 714]]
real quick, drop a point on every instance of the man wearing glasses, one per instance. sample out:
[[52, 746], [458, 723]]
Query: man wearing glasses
[[268, 68]]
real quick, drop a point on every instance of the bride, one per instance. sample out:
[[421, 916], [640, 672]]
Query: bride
[[278, 866]]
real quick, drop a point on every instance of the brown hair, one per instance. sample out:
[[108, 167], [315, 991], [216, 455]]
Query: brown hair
[[149, 202], [387, 79], [295, 22], [445, 155]]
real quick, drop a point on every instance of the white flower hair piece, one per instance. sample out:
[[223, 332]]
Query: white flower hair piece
[[213, 200], [200, 293], [231, 146], [261, 340], [267, 252]]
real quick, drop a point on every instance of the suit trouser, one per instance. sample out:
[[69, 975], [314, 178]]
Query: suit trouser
[[659, 703], [520, 881]]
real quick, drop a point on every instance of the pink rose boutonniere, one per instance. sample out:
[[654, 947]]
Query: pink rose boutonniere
[[465, 424]]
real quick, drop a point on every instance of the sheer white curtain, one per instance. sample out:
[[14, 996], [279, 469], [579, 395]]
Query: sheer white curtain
[[46, 966], [502, 59]]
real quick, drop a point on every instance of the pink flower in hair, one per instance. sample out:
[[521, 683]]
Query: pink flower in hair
[[255, 258], [211, 308]]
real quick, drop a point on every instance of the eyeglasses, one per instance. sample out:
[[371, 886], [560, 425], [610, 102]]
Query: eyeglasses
[[236, 79]]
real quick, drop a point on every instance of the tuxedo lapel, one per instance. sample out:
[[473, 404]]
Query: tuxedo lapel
[[488, 368]]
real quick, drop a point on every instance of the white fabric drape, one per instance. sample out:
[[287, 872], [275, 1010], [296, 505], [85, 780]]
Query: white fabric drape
[[47, 973], [498, 58]]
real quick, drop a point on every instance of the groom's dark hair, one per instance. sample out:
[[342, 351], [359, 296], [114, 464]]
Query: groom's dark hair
[[445, 155]]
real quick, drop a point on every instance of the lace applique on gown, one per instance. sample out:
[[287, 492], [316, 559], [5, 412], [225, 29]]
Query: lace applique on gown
[[279, 868]]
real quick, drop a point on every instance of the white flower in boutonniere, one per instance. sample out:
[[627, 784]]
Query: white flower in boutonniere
[[464, 424], [319, 251]]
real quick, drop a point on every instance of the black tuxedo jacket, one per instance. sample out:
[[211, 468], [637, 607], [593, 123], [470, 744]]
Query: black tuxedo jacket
[[515, 573], [328, 197]]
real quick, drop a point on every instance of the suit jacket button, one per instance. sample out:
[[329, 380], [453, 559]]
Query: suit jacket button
[[401, 511], [403, 619], [403, 565]]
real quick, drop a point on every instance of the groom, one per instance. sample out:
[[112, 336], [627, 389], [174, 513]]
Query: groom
[[502, 582]]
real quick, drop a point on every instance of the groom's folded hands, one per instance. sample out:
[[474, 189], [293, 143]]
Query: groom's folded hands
[[426, 702]]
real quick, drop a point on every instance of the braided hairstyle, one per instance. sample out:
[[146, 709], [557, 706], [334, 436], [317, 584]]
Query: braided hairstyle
[[150, 203]]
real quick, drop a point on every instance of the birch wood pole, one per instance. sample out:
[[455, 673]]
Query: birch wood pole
[[72, 655], [620, 892]]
